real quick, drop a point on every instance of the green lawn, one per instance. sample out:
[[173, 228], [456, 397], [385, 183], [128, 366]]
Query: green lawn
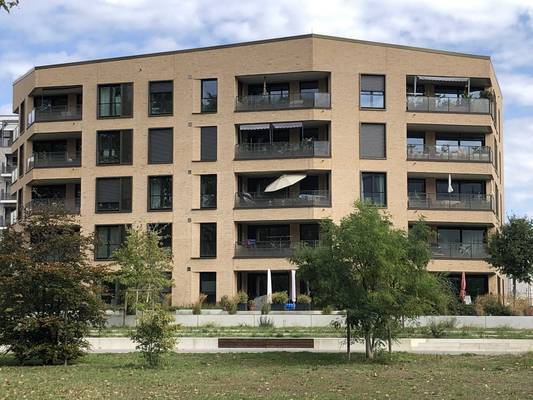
[[274, 376]]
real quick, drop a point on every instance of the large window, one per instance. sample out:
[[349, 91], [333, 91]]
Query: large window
[[109, 238], [460, 187], [372, 141], [209, 95], [208, 286], [160, 146], [372, 91], [115, 100], [114, 147], [160, 193], [161, 98], [208, 240], [208, 145], [374, 188], [113, 194], [208, 191], [164, 230]]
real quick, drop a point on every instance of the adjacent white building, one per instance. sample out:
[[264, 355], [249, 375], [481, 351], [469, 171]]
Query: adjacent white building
[[8, 161]]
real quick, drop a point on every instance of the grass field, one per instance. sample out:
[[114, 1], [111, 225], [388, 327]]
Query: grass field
[[273, 376]]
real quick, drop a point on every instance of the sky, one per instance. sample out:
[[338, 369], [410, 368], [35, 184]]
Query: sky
[[53, 31]]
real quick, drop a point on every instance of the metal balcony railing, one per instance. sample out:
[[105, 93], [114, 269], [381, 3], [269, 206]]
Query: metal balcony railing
[[306, 198], [6, 196], [449, 104], [454, 201], [6, 169], [54, 159], [282, 101], [55, 113], [280, 248], [250, 151], [69, 205], [449, 153], [460, 250]]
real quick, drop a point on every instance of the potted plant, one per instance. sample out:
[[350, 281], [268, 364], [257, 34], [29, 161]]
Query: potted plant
[[251, 305], [278, 300], [241, 298], [303, 302]]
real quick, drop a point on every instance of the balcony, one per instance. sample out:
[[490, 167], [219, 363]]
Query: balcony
[[56, 104], [450, 201], [465, 251], [3, 222], [6, 170], [6, 197], [251, 151], [55, 113], [6, 142], [282, 248], [306, 198], [449, 153], [54, 159], [448, 104], [282, 101], [71, 206]]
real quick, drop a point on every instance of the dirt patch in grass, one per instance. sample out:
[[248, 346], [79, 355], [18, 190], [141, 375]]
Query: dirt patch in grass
[[274, 376]]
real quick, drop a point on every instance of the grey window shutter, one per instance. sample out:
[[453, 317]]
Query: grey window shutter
[[127, 99], [160, 146], [208, 143], [125, 194], [161, 87], [108, 190], [372, 83], [126, 146], [372, 141]]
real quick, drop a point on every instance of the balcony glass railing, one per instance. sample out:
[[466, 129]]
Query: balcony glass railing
[[281, 101], [456, 201], [250, 151], [281, 248], [449, 153], [449, 104], [55, 113], [6, 169], [460, 250], [54, 159], [68, 205], [6, 196], [306, 198]]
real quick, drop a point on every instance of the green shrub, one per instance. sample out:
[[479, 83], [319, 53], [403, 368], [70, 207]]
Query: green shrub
[[265, 308], [224, 302], [458, 308], [251, 305], [154, 335], [326, 310], [280, 297], [232, 307], [490, 305], [438, 329], [197, 307], [265, 322], [241, 297], [303, 299]]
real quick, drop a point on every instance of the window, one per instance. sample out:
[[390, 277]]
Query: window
[[22, 116], [372, 91], [114, 147], [416, 186], [161, 98], [115, 100], [159, 193], [21, 160], [208, 191], [460, 187], [372, 141], [308, 89], [113, 194], [373, 188], [160, 146], [208, 240], [208, 286], [208, 145], [309, 233], [164, 230], [209, 95], [415, 139], [109, 238]]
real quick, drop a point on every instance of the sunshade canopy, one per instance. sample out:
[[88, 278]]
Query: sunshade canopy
[[287, 125], [254, 127], [446, 79], [284, 181]]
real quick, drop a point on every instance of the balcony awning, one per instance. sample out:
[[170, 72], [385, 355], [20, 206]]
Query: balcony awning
[[442, 79], [254, 127], [284, 181], [287, 125]]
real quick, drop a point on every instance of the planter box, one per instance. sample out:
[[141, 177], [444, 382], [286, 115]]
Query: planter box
[[303, 307], [277, 307], [242, 307]]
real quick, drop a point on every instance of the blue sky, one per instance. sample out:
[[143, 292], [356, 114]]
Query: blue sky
[[52, 31]]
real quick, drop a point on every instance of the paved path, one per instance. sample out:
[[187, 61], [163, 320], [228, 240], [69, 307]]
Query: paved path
[[332, 345]]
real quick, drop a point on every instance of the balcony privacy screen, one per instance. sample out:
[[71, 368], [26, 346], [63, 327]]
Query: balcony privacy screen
[[160, 146], [372, 141], [208, 145]]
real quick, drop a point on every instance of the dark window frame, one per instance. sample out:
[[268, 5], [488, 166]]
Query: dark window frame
[[150, 114], [123, 228], [150, 130], [121, 133], [212, 296], [206, 110], [100, 85], [120, 210], [384, 141], [216, 147], [152, 226], [384, 92], [149, 192], [203, 249], [385, 197], [215, 195]]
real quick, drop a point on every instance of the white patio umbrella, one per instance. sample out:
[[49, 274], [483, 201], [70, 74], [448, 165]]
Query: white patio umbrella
[[293, 285], [450, 187], [284, 181], [269, 286]]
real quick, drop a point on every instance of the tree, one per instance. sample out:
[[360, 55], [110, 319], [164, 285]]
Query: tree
[[7, 5], [373, 271], [511, 250], [143, 264], [49, 290]]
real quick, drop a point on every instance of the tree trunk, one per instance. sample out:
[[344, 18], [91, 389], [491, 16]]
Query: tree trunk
[[369, 351], [514, 292], [389, 340], [348, 341]]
